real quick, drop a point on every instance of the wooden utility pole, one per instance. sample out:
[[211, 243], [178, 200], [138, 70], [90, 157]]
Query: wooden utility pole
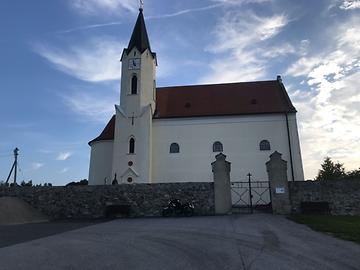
[[14, 166]]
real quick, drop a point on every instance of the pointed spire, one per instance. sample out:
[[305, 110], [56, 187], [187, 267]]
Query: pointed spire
[[139, 37]]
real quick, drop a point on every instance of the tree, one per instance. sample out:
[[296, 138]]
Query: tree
[[83, 182], [331, 170], [354, 174], [26, 184]]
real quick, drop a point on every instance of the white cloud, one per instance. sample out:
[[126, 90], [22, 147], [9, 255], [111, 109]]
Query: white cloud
[[184, 11], [95, 61], [151, 17], [64, 170], [64, 155], [90, 26], [37, 165], [303, 66], [92, 7], [329, 115], [243, 39], [241, 2], [96, 106], [350, 4]]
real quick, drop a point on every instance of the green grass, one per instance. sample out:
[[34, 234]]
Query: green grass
[[345, 227]]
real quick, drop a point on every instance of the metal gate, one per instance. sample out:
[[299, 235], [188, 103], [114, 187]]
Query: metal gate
[[251, 195]]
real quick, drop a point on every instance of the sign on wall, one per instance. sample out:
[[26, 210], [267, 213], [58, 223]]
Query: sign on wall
[[280, 190]]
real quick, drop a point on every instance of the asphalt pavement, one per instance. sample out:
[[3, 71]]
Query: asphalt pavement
[[259, 241]]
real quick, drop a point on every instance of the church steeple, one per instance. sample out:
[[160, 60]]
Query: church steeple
[[139, 37], [132, 152], [138, 72]]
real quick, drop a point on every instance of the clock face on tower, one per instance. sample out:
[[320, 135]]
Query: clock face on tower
[[134, 63]]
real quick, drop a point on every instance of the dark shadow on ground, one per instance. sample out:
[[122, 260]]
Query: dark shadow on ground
[[15, 234]]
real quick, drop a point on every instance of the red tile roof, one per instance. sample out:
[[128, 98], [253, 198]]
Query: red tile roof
[[107, 133], [222, 99], [216, 100]]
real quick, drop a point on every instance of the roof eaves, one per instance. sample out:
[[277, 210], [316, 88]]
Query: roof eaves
[[219, 115], [287, 99]]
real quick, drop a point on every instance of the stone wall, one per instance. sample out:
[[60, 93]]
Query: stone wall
[[343, 196], [78, 202]]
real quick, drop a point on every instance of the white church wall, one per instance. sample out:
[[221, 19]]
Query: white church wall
[[148, 75], [240, 136], [145, 75], [100, 162], [295, 148], [128, 102], [134, 120], [141, 131]]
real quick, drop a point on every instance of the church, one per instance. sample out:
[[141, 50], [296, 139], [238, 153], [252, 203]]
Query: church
[[172, 134]]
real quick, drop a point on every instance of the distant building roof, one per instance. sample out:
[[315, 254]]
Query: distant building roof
[[243, 98]]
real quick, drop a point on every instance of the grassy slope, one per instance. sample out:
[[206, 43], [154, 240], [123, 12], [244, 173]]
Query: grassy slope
[[345, 227]]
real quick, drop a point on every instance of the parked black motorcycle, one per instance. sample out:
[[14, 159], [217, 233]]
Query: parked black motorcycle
[[176, 208]]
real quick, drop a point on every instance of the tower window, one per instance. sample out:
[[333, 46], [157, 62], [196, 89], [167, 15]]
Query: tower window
[[264, 145], [134, 85], [174, 148], [217, 147], [131, 146]]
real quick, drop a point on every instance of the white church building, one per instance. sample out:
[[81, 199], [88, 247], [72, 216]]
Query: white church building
[[172, 134]]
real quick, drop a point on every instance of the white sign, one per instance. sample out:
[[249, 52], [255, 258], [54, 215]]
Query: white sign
[[279, 190]]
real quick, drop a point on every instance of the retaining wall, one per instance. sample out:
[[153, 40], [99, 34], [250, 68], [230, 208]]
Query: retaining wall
[[343, 196], [78, 202]]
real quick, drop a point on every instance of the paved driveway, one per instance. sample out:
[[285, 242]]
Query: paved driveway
[[256, 241]]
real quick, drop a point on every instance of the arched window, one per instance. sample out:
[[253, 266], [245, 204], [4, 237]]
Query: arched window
[[131, 146], [174, 148], [134, 85], [264, 145], [217, 147]]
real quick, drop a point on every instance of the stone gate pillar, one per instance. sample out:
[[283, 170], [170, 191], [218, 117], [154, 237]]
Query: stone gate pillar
[[222, 189], [279, 187]]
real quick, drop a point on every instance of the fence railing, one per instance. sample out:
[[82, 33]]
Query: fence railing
[[251, 194]]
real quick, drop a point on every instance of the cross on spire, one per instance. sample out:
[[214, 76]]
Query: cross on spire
[[141, 8]]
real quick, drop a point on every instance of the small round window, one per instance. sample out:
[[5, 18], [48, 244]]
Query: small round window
[[129, 180]]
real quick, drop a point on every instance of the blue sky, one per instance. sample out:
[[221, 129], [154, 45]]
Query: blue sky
[[60, 70]]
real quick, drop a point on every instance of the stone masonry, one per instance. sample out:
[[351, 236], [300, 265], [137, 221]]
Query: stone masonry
[[343, 196], [277, 171], [221, 171], [77, 202]]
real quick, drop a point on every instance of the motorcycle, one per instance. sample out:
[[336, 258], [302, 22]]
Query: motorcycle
[[176, 208]]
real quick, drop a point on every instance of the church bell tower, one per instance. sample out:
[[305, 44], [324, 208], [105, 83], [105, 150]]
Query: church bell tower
[[133, 128]]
